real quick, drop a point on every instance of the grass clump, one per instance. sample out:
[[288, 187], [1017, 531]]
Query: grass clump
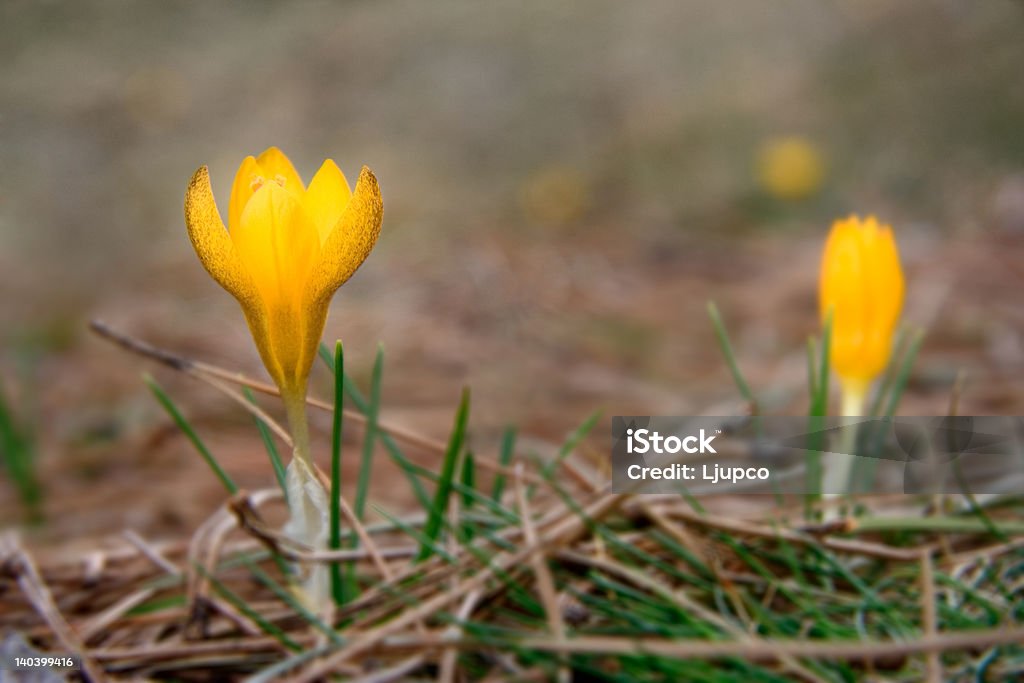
[[520, 567]]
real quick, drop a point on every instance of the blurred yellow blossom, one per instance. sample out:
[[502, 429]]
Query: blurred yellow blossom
[[790, 168], [861, 289], [862, 284], [555, 195]]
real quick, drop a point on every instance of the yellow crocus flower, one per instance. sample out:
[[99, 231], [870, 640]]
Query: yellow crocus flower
[[862, 287], [862, 284], [286, 250]]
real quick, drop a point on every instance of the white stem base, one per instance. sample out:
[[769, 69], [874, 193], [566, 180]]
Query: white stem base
[[837, 479], [310, 525]]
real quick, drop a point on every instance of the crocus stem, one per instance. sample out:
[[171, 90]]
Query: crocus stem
[[839, 469], [298, 424], [854, 394], [308, 501]]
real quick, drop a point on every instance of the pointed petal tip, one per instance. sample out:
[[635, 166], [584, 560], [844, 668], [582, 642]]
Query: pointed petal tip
[[202, 174], [366, 173], [368, 187], [199, 198]]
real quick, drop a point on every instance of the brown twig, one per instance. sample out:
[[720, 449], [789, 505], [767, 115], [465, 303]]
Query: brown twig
[[751, 649], [393, 673], [929, 617], [151, 552], [216, 377], [194, 368], [17, 561], [545, 581], [741, 527], [450, 657]]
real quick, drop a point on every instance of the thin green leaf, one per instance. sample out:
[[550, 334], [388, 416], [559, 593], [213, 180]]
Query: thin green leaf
[[571, 443], [900, 383], [425, 541], [189, 432], [899, 351], [812, 373], [270, 446], [818, 410], [469, 484], [243, 607], [820, 405], [337, 580], [730, 357], [17, 452], [439, 506], [508, 446], [287, 597], [370, 439], [894, 385], [362, 406]]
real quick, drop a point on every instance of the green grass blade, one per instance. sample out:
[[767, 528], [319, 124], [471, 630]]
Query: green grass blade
[[288, 598], [812, 372], [17, 453], [508, 447], [894, 386], [394, 451], [158, 605], [730, 357], [477, 496], [900, 383], [418, 536], [469, 484], [189, 432], [270, 446], [572, 443], [468, 480], [819, 381], [243, 607], [277, 670], [439, 506], [819, 405], [899, 350], [337, 580], [872, 438], [370, 439]]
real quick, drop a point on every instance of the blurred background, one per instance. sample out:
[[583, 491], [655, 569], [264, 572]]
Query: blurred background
[[565, 186]]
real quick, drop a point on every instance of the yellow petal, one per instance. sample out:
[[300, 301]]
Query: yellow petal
[[250, 177], [279, 169], [279, 333], [344, 250], [350, 241], [326, 197], [212, 243], [862, 284], [278, 244]]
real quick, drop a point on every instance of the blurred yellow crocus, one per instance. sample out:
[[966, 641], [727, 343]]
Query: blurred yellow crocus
[[790, 168], [862, 286], [286, 250], [862, 289]]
